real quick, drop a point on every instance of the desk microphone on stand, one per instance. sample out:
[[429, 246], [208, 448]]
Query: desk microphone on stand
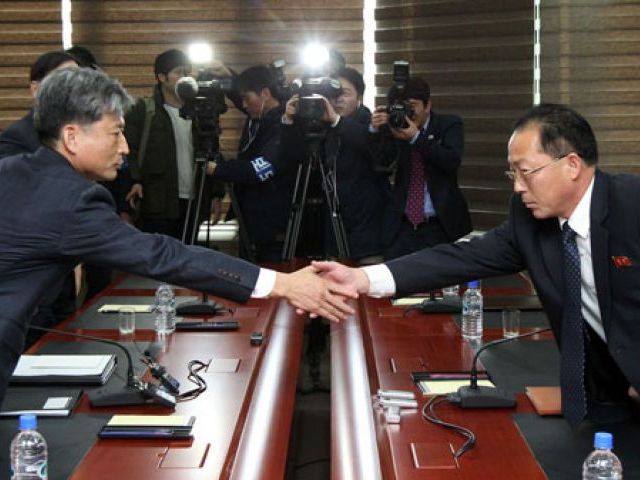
[[134, 392], [437, 305], [476, 396]]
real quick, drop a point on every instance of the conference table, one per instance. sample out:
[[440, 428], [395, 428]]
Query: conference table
[[244, 418]]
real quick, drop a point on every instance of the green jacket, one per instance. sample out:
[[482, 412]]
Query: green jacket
[[158, 172]]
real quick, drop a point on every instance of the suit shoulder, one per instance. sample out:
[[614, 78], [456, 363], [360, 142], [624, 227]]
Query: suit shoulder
[[446, 118]]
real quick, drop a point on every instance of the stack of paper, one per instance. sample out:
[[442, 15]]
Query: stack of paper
[[67, 369], [148, 426]]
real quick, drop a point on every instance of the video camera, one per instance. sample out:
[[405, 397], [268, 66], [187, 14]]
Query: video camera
[[311, 107], [203, 100], [400, 107]]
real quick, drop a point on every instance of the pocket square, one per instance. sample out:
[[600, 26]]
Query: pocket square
[[621, 261]]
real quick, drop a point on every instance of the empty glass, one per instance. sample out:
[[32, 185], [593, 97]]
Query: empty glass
[[126, 320]]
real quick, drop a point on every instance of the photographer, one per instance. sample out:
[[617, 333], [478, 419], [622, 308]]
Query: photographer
[[161, 158], [349, 158], [263, 184], [423, 149]]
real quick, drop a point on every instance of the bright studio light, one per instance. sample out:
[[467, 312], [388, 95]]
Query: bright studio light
[[200, 53], [315, 56]]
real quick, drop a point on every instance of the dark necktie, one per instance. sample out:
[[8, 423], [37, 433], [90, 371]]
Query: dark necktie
[[414, 210], [574, 406]]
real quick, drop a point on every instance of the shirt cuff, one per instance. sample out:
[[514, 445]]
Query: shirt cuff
[[285, 120], [372, 129], [415, 137], [335, 124], [264, 285], [381, 282]]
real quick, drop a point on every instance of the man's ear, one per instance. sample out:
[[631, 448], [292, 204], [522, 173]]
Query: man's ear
[[33, 87], [69, 137], [576, 165]]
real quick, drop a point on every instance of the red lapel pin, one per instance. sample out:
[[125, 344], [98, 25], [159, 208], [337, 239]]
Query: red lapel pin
[[621, 261]]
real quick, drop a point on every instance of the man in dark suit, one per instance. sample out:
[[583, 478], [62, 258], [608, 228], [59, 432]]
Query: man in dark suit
[[53, 215], [576, 230], [424, 151]]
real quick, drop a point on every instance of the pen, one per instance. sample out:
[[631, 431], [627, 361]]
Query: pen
[[137, 433]]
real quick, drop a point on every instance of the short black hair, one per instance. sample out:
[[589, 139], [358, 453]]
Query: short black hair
[[416, 88], [83, 56], [170, 59], [47, 62], [255, 78], [354, 77], [562, 131]]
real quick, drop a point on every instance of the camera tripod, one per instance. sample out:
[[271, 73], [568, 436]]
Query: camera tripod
[[315, 159]]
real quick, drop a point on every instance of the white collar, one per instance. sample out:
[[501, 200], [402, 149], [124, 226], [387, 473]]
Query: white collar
[[580, 221]]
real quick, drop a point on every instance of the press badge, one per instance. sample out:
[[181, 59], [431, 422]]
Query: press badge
[[263, 168]]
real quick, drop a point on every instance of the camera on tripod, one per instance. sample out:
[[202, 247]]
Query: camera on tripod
[[311, 106], [400, 108], [203, 100]]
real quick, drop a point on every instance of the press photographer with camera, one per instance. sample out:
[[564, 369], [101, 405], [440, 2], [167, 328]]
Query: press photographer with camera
[[262, 182], [423, 150], [161, 158], [348, 157]]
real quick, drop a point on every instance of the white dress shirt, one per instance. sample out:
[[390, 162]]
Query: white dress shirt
[[580, 222]]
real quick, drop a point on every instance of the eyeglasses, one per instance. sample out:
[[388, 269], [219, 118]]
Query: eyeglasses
[[512, 175]]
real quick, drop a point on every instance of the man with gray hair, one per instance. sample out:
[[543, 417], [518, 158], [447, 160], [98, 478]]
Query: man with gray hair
[[71, 219]]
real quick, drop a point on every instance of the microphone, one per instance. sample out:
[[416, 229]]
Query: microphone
[[187, 88], [160, 373], [437, 305], [475, 396], [134, 392]]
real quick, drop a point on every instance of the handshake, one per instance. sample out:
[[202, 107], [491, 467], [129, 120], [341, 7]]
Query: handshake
[[322, 289]]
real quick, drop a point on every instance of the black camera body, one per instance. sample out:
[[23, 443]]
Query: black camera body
[[311, 107], [203, 102], [400, 108]]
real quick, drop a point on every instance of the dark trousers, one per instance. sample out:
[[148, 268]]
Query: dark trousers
[[409, 239], [97, 279]]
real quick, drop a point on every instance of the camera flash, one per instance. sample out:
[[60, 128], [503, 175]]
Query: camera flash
[[200, 53], [315, 55]]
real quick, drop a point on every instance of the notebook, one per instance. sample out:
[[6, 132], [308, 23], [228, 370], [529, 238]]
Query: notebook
[[64, 369]]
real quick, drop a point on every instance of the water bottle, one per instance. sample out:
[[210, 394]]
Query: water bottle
[[165, 309], [602, 463], [472, 312], [28, 451]]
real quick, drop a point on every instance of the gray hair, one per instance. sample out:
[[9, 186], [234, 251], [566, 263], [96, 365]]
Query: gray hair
[[79, 95]]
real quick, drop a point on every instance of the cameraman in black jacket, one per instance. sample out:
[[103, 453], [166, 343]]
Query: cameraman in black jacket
[[263, 183], [347, 151]]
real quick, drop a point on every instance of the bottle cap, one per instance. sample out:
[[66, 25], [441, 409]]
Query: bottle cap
[[603, 440], [474, 284], [28, 422]]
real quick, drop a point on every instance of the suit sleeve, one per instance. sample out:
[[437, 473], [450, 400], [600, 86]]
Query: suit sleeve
[[96, 235], [495, 253], [444, 150], [355, 134]]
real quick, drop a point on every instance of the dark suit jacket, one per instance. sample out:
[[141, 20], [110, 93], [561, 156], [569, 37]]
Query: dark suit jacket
[[524, 242], [19, 137], [441, 147], [69, 220], [264, 201]]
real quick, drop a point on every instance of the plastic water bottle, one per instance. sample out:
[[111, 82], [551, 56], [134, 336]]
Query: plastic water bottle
[[28, 451], [165, 309], [602, 463], [472, 312]]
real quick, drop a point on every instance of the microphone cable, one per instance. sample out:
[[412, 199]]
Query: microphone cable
[[194, 367], [429, 413]]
